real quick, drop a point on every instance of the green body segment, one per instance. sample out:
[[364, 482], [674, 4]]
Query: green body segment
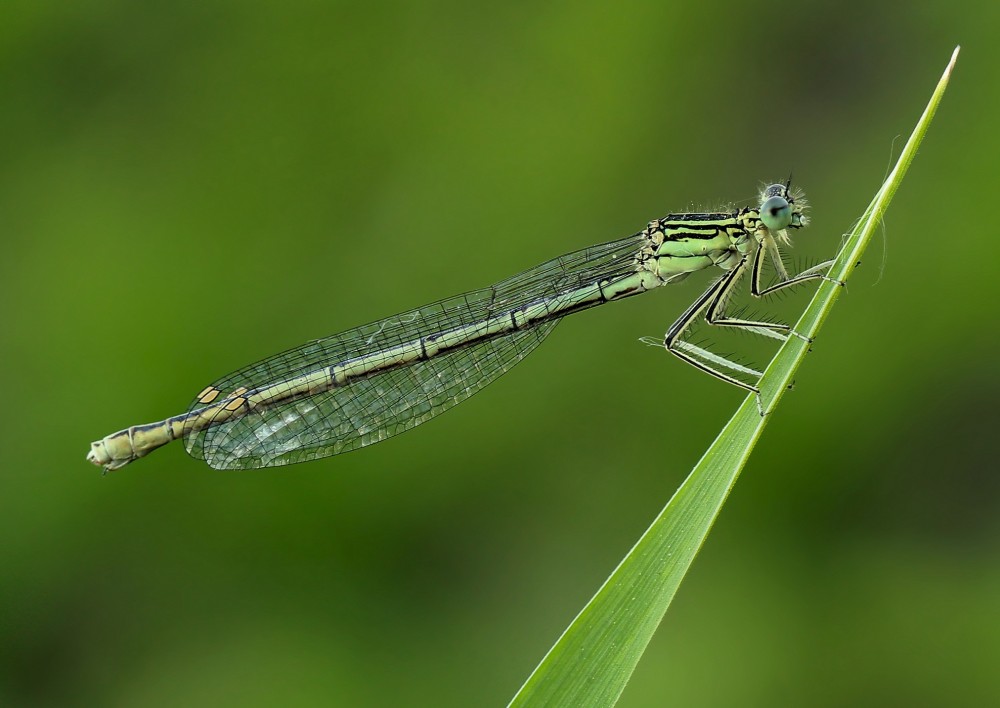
[[366, 384]]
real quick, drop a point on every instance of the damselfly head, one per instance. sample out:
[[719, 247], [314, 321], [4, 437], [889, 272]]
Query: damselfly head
[[782, 208]]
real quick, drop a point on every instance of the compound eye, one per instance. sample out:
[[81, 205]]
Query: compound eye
[[776, 213]]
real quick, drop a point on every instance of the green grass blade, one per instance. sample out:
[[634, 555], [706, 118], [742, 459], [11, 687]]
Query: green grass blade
[[593, 660]]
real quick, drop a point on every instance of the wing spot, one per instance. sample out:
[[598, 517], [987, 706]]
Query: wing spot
[[235, 404], [208, 395]]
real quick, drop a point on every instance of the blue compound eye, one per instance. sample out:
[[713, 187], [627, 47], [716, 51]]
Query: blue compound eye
[[776, 213]]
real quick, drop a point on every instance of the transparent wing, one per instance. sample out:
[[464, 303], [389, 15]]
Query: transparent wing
[[372, 409]]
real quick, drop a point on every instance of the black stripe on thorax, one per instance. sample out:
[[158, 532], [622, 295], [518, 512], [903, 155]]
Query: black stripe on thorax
[[694, 218], [697, 226]]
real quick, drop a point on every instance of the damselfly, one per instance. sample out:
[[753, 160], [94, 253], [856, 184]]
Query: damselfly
[[369, 383]]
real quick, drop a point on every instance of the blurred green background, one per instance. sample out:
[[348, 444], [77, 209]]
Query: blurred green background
[[186, 187]]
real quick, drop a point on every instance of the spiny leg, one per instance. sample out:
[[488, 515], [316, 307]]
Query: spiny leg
[[716, 312], [785, 281], [814, 273], [712, 302], [719, 290]]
